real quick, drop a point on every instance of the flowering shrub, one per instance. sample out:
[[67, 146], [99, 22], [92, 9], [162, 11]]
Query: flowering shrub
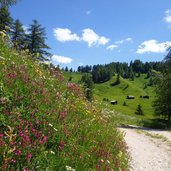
[[47, 124]]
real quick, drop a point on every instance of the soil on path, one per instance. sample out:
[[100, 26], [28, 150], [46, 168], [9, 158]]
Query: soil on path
[[150, 150]]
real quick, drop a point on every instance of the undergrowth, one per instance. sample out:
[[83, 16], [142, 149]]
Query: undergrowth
[[47, 124]]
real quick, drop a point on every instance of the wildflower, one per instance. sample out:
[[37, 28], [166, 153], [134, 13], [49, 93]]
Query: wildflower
[[69, 168], [62, 114], [37, 121], [61, 145], [17, 152], [12, 75], [58, 95], [101, 161], [13, 160], [108, 161], [55, 129], [50, 125], [3, 100], [117, 164], [2, 62], [44, 139], [29, 155], [52, 152]]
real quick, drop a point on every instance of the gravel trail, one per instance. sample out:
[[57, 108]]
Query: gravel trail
[[148, 152]]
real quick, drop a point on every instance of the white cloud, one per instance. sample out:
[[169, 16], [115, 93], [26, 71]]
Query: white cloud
[[64, 35], [61, 59], [129, 39], [124, 40], [90, 37], [116, 45], [153, 46], [167, 17], [88, 12], [111, 47]]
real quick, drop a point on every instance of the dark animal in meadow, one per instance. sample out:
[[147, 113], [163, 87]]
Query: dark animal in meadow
[[130, 97], [114, 102], [145, 97]]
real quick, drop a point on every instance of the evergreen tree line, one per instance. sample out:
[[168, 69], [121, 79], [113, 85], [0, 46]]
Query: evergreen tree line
[[33, 38], [162, 103], [102, 73]]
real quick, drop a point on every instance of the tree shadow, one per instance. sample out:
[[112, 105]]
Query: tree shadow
[[156, 123], [149, 124], [114, 84]]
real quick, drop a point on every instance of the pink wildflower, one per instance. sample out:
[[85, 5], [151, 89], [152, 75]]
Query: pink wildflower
[[29, 155], [44, 139], [13, 160], [17, 152]]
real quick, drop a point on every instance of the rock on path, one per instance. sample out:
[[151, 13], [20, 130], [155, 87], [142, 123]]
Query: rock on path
[[147, 153]]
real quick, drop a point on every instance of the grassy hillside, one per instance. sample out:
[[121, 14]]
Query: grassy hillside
[[47, 124], [126, 114], [120, 92]]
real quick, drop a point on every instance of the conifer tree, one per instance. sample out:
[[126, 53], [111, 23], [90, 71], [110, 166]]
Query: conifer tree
[[36, 41], [18, 35], [5, 19], [131, 74], [139, 110], [124, 103], [7, 3], [88, 86], [162, 103], [66, 69], [118, 79]]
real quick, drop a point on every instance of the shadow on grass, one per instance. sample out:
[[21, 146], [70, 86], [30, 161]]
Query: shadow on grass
[[156, 123], [114, 84]]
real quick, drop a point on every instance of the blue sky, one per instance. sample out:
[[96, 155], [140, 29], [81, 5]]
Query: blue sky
[[82, 32]]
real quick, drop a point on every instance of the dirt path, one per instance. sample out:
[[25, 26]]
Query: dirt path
[[150, 150]]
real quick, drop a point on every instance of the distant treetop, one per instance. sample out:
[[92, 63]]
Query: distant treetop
[[8, 2]]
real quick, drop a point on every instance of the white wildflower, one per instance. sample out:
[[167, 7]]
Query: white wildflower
[[55, 129], [69, 168], [50, 125], [2, 58], [52, 152], [108, 161]]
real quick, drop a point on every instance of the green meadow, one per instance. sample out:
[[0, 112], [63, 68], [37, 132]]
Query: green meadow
[[126, 87], [126, 114]]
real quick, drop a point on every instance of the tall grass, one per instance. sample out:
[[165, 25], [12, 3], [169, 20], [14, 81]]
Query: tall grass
[[47, 124]]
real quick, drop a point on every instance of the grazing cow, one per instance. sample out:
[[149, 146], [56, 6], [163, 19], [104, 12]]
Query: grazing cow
[[114, 102], [130, 97], [145, 97]]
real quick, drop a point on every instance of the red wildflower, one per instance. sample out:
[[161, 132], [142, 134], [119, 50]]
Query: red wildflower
[[17, 152], [29, 155], [1, 135], [61, 145], [44, 140]]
